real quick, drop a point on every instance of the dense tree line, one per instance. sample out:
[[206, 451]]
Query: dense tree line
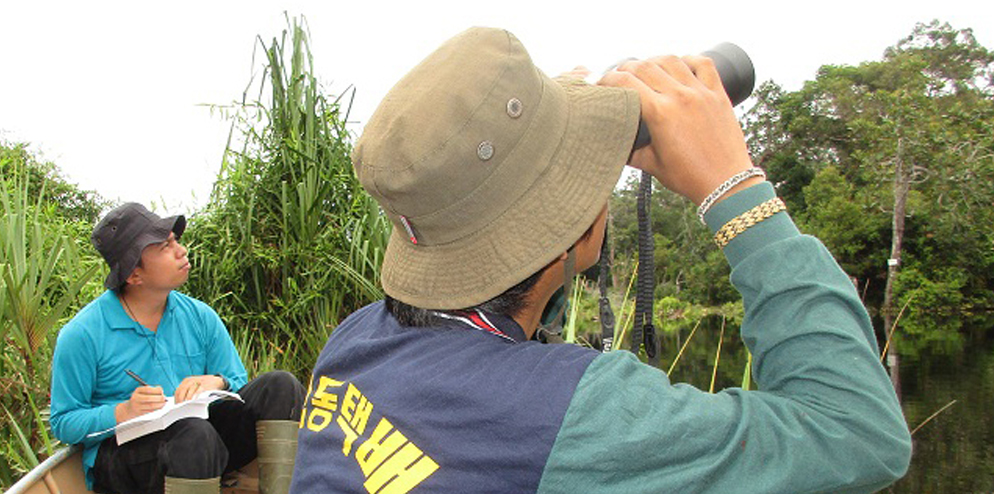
[[889, 162]]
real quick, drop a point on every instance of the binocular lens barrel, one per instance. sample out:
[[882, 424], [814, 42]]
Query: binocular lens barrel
[[737, 77], [735, 69]]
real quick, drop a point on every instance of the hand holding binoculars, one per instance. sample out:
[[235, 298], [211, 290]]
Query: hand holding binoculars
[[737, 77]]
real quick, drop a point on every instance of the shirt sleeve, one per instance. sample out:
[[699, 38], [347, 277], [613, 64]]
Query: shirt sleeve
[[825, 417], [222, 356], [75, 418]]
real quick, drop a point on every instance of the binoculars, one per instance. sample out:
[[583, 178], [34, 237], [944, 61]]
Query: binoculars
[[737, 77]]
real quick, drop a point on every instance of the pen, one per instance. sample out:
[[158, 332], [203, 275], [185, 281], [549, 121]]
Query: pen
[[135, 377]]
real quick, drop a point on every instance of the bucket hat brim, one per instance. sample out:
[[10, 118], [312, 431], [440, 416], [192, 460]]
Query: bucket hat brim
[[597, 126]]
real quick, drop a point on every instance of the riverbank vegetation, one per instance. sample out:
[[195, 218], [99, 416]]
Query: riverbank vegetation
[[888, 160]]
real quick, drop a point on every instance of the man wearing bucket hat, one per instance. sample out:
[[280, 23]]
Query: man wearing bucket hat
[[141, 341], [496, 179]]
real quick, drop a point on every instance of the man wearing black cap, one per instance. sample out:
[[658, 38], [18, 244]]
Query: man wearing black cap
[[141, 341]]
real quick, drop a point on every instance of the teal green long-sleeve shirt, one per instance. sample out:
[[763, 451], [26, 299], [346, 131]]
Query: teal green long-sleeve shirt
[[471, 405], [825, 417]]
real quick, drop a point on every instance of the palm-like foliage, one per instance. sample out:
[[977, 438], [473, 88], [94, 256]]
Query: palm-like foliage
[[34, 297], [41, 277]]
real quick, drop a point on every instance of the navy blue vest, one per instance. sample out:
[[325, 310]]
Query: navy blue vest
[[394, 409]]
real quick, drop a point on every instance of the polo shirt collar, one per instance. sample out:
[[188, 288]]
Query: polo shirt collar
[[508, 326], [118, 318], [497, 325]]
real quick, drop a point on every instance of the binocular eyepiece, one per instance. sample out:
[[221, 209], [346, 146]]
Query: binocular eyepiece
[[737, 77]]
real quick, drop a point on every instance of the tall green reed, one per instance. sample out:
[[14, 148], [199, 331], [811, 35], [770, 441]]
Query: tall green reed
[[289, 243], [672, 317]]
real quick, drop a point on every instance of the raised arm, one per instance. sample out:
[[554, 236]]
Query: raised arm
[[825, 417]]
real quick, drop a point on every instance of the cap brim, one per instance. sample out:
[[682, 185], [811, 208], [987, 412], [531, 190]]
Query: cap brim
[[558, 208]]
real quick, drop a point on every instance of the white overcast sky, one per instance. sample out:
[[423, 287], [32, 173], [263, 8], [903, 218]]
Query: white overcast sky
[[113, 92]]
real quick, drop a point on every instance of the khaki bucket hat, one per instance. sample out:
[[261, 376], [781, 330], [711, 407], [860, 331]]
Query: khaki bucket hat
[[488, 168]]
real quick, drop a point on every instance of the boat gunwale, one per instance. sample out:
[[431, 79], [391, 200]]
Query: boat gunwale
[[38, 473]]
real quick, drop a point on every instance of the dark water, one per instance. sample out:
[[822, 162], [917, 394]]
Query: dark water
[[954, 452], [951, 360]]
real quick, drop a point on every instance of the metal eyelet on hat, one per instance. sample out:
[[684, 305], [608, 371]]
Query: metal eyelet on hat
[[485, 151], [514, 108]]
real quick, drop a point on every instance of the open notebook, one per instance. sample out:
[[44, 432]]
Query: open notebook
[[171, 412]]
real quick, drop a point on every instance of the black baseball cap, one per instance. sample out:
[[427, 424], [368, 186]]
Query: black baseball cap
[[124, 232]]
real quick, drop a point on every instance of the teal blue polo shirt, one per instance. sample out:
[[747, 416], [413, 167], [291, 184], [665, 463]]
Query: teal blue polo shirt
[[101, 342]]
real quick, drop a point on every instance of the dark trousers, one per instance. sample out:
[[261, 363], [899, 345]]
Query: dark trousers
[[196, 448]]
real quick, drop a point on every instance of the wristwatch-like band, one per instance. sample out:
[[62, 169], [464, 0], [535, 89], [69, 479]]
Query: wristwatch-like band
[[748, 219], [225, 384]]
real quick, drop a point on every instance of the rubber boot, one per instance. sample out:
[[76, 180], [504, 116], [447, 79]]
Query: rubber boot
[[176, 485], [277, 444]]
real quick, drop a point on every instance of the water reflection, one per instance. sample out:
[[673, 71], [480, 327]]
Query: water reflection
[[954, 452], [942, 359]]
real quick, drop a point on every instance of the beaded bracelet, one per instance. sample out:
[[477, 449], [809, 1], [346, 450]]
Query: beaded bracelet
[[748, 219], [725, 187]]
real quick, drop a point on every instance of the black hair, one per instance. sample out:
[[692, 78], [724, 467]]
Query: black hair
[[508, 304]]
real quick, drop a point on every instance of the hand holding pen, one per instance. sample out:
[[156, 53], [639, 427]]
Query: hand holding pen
[[144, 399]]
